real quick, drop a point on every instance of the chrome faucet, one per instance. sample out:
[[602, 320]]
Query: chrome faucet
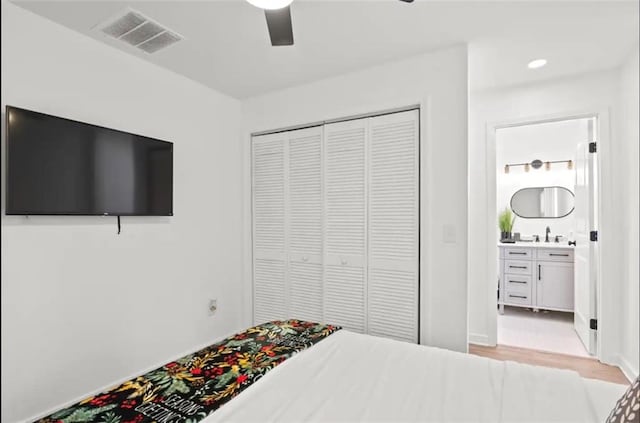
[[546, 238]]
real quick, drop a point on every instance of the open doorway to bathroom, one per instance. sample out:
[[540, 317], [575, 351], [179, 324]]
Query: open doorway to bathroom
[[546, 198]]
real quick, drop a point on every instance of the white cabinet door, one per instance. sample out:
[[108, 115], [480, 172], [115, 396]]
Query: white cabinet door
[[305, 206], [393, 226], [554, 285], [345, 224], [269, 233]]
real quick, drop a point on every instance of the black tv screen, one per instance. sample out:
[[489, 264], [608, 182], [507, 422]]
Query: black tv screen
[[57, 166]]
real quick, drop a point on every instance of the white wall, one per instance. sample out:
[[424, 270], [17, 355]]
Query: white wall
[[83, 307], [595, 92], [628, 123], [547, 142], [438, 80]]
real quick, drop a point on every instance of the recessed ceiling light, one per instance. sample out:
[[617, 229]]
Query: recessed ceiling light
[[538, 63], [270, 4]]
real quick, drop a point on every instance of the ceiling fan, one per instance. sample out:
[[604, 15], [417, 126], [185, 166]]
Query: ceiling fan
[[278, 14]]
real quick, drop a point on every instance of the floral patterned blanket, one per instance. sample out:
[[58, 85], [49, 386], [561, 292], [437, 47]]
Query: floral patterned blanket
[[189, 389]]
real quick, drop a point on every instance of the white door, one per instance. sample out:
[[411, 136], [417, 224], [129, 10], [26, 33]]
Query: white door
[[392, 300], [304, 224], [269, 231], [345, 224], [585, 250]]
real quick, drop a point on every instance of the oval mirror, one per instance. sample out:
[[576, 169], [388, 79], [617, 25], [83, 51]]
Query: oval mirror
[[542, 202]]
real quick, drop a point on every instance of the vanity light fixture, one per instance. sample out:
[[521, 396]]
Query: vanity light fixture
[[537, 164]]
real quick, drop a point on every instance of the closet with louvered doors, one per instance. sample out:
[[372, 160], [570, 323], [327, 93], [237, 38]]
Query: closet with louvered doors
[[287, 225], [336, 225]]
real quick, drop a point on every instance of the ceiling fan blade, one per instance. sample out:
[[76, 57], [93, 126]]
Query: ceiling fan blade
[[280, 28], [407, 1]]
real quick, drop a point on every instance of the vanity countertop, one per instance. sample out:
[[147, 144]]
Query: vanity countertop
[[540, 244]]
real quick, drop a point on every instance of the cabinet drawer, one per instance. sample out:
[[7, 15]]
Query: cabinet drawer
[[517, 267], [517, 298], [517, 253], [518, 283], [555, 254]]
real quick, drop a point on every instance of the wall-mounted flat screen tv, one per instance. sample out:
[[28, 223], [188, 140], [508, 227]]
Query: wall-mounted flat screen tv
[[57, 166]]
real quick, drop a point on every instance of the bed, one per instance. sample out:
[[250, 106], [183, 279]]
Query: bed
[[354, 377], [340, 376]]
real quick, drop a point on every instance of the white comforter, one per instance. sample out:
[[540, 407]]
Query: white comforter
[[350, 377]]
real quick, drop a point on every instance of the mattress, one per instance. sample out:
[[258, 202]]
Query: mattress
[[603, 396], [350, 377]]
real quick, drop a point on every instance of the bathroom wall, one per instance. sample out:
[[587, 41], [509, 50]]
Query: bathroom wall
[[546, 142]]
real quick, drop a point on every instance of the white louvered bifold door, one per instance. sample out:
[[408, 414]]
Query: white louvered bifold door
[[393, 226], [269, 227], [305, 207], [345, 224]]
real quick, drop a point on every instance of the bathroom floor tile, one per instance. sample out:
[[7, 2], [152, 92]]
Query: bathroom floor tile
[[545, 330]]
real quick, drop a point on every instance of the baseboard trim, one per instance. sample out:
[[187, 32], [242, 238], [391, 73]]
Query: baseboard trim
[[627, 369], [478, 339]]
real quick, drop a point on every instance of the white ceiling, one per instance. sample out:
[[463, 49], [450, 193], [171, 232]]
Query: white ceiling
[[227, 44]]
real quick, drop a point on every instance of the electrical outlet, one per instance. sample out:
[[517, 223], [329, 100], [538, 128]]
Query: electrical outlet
[[213, 307]]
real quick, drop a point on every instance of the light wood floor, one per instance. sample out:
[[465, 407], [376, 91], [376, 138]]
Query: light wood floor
[[586, 367]]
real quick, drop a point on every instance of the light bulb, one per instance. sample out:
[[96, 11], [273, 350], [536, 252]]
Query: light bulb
[[526, 167], [506, 168], [547, 166], [570, 164]]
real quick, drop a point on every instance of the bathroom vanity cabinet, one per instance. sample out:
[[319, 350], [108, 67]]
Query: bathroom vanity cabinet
[[537, 276]]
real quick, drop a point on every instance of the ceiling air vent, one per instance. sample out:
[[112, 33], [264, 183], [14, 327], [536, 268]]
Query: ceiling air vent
[[135, 29]]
